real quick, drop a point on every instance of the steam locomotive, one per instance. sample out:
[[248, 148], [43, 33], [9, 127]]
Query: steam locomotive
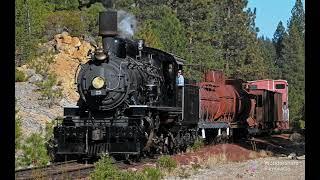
[[130, 104]]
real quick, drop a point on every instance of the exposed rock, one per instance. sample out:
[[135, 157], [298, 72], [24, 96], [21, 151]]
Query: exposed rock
[[65, 67], [32, 107], [72, 46], [34, 116], [35, 78], [64, 102], [81, 54], [30, 72], [75, 42], [90, 40]]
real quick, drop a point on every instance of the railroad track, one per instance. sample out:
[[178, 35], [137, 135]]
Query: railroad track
[[64, 170]]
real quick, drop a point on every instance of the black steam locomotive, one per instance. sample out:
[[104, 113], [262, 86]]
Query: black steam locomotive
[[129, 102]]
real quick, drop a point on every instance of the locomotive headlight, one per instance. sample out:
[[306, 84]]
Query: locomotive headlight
[[98, 82]]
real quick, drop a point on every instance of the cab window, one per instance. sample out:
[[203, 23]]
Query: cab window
[[280, 86]]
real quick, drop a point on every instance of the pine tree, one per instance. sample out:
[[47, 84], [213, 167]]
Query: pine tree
[[294, 60], [30, 21], [278, 43], [298, 17], [64, 4], [236, 31], [269, 55]]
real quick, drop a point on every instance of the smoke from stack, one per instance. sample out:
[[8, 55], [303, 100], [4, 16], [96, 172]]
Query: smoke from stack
[[127, 24]]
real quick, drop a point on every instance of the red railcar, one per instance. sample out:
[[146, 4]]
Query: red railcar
[[231, 104], [222, 100]]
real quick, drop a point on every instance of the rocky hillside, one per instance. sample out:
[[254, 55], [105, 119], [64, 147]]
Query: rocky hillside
[[34, 110]]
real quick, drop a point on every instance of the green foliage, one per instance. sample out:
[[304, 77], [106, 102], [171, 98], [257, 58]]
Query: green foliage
[[34, 151], [104, 169], [49, 90], [91, 18], [64, 4], [235, 31], [268, 53], [30, 19], [41, 64], [20, 76], [166, 27], [291, 55], [18, 131], [18, 136], [70, 20], [298, 17], [278, 41], [49, 130], [166, 162], [149, 36], [152, 173], [197, 144]]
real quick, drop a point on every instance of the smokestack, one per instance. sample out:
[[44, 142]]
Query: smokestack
[[108, 25], [108, 30]]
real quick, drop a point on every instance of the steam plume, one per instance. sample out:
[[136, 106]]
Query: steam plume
[[127, 24]]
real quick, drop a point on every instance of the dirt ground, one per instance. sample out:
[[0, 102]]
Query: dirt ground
[[262, 168], [276, 157]]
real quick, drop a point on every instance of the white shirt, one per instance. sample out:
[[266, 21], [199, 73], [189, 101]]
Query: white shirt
[[180, 80]]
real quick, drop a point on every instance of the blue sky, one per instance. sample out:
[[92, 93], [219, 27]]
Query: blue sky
[[269, 13]]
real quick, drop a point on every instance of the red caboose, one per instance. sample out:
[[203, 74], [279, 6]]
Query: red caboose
[[275, 93]]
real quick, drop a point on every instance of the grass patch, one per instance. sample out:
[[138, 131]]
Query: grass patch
[[20, 76], [166, 162], [214, 160], [198, 144], [152, 173], [105, 169], [184, 172]]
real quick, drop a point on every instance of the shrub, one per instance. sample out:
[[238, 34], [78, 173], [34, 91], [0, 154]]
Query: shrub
[[34, 151], [167, 162], [62, 20], [20, 76], [130, 175], [152, 173], [48, 91], [18, 138], [41, 63], [49, 130], [106, 170], [18, 130], [197, 144]]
